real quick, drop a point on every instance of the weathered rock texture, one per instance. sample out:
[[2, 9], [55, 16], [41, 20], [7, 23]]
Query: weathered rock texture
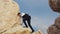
[[10, 23], [55, 28], [55, 5]]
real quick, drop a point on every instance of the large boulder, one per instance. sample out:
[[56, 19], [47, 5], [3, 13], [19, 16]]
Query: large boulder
[[8, 14], [55, 5], [57, 22], [9, 21], [55, 28]]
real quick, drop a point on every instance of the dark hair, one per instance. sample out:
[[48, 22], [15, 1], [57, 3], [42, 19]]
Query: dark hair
[[18, 13]]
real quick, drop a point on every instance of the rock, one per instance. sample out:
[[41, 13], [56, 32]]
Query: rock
[[9, 21], [55, 28], [8, 14], [55, 5], [18, 30], [37, 32], [57, 22]]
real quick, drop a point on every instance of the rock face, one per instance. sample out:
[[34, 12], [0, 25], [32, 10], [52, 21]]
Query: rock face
[[55, 5], [10, 23], [55, 28], [57, 22]]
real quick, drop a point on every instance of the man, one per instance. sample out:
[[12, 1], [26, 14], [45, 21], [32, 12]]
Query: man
[[27, 18]]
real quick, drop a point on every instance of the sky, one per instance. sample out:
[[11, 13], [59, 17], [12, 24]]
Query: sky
[[42, 15]]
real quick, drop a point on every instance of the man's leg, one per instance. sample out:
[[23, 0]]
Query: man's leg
[[30, 25], [24, 21]]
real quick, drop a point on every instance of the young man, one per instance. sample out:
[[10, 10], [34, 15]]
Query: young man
[[27, 18]]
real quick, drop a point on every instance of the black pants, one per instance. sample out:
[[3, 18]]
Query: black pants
[[28, 19]]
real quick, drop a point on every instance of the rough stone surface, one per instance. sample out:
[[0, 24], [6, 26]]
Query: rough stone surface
[[9, 21], [57, 22], [55, 5], [55, 28]]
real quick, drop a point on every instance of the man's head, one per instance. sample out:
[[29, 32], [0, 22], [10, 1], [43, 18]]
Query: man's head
[[19, 14]]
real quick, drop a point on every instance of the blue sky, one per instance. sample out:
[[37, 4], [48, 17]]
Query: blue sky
[[41, 13]]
